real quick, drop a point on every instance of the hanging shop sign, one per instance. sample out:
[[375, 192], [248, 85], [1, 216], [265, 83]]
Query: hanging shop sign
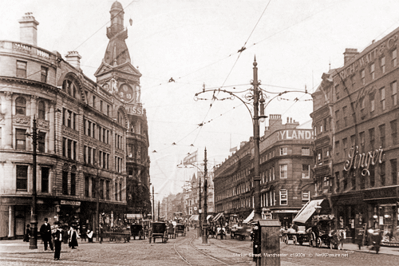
[[381, 193], [362, 160]]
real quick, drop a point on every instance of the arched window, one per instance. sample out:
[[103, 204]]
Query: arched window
[[71, 88], [20, 106], [41, 108], [120, 118], [73, 180]]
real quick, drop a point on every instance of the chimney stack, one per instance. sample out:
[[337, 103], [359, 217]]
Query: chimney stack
[[28, 29], [73, 58], [349, 54]]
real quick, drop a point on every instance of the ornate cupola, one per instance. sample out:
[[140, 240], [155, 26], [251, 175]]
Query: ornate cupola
[[116, 74]]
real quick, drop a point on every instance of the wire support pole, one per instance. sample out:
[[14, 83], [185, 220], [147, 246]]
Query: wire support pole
[[33, 220]]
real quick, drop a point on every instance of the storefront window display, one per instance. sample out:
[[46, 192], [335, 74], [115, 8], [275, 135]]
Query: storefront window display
[[385, 218]]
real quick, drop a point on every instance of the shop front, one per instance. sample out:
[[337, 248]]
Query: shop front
[[382, 209]]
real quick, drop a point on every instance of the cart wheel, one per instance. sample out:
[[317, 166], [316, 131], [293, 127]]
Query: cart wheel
[[318, 242], [286, 240], [294, 239]]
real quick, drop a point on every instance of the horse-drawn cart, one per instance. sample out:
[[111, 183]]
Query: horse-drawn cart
[[180, 229], [137, 230], [296, 233], [158, 230]]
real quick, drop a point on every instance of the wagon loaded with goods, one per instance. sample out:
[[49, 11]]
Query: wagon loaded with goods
[[296, 234], [158, 230], [137, 230]]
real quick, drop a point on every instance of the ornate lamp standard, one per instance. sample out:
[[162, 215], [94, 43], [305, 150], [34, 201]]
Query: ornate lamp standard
[[253, 97]]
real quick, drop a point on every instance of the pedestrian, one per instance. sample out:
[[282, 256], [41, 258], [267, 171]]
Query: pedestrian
[[65, 236], [89, 235], [45, 232], [57, 237], [73, 237], [101, 233], [83, 233], [27, 233]]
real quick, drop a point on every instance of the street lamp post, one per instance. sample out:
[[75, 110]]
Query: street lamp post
[[33, 220], [199, 208], [205, 223]]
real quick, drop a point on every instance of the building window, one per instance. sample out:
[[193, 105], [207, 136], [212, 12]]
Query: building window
[[283, 151], [372, 138], [382, 173], [94, 101], [337, 120], [120, 191], [382, 96], [20, 106], [338, 182], [363, 76], [108, 110], [305, 151], [394, 87], [87, 184], [344, 112], [73, 182], [382, 63], [345, 146], [101, 189], [362, 141], [353, 141], [116, 191], [21, 69], [372, 176], [22, 177], [283, 171], [45, 179], [94, 188], [89, 128], [394, 132], [43, 77], [41, 142], [372, 102], [20, 138], [101, 105], [305, 195], [306, 171], [64, 182], [107, 190], [394, 57], [337, 149], [382, 135], [337, 92], [41, 108], [283, 197], [372, 71], [394, 171]]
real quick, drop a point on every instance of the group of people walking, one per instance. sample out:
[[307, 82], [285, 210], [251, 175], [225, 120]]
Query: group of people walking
[[54, 235]]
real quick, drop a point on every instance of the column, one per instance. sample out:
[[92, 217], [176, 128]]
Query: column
[[51, 128], [11, 221], [7, 110]]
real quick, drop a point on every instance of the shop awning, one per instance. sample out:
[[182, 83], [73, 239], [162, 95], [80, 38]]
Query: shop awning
[[249, 218], [134, 216], [193, 217], [220, 214], [307, 211]]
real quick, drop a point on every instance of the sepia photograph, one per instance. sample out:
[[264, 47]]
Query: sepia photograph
[[199, 132]]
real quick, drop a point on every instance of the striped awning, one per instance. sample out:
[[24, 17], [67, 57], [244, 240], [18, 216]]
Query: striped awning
[[220, 214], [249, 218], [194, 217]]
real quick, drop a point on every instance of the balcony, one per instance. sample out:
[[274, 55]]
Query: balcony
[[27, 49]]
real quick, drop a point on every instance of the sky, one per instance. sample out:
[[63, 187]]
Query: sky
[[196, 42]]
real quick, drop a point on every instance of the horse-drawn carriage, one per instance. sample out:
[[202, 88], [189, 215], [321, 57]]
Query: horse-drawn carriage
[[137, 230], [180, 229], [158, 230], [241, 232], [323, 232]]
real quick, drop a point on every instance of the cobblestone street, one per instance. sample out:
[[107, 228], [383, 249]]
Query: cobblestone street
[[187, 251]]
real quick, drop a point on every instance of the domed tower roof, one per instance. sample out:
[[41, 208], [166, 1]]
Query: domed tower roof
[[116, 5]]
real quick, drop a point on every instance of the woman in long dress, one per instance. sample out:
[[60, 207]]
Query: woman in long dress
[[73, 238]]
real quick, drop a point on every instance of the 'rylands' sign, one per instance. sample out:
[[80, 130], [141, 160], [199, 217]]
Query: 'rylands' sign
[[294, 134]]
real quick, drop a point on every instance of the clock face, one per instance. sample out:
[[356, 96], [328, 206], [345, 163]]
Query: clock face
[[125, 93]]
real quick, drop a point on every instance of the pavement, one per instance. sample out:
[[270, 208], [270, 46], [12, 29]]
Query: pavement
[[18, 246]]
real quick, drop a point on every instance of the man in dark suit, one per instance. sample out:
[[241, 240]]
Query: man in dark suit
[[45, 232]]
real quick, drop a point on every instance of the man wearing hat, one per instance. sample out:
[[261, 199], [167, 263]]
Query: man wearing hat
[[57, 236], [45, 232]]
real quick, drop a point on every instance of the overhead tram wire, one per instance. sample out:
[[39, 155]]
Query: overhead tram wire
[[238, 57]]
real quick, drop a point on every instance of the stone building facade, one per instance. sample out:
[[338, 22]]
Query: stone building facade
[[355, 119], [285, 185], [92, 140]]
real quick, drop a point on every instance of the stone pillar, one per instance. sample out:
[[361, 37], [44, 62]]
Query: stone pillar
[[51, 137], [11, 221], [7, 111]]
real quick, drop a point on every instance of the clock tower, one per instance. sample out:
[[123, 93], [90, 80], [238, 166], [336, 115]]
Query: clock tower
[[121, 80]]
